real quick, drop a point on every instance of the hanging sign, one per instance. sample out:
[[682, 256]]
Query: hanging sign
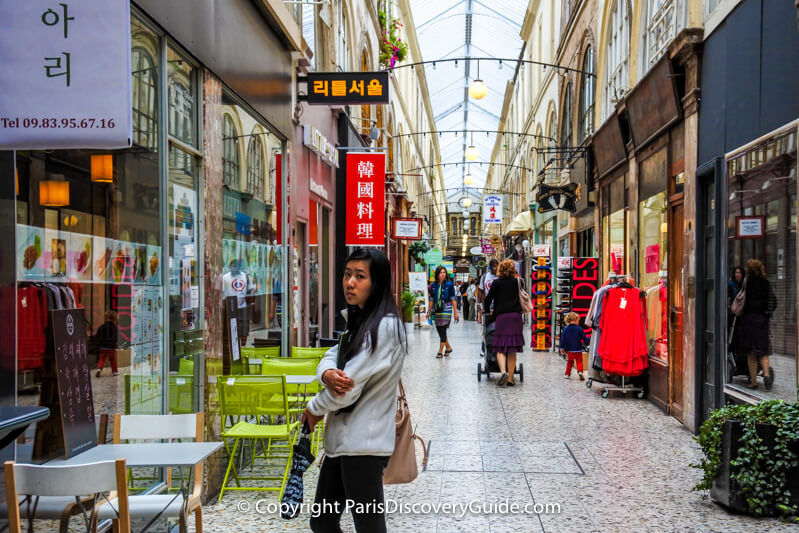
[[751, 227], [563, 198], [366, 199], [541, 324], [348, 88], [541, 250], [406, 228], [433, 257], [492, 210], [71, 81]]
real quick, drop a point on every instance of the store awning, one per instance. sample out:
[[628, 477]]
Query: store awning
[[521, 224]]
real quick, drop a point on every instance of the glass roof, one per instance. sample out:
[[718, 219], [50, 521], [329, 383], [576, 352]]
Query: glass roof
[[467, 29]]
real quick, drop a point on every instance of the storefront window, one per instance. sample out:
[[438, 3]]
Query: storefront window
[[616, 242], [313, 271], [89, 238], [761, 237], [653, 270], [182, 95], [251, 256]]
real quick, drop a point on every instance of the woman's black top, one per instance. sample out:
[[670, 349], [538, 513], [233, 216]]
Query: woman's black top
[[504, 294], [757, 296]]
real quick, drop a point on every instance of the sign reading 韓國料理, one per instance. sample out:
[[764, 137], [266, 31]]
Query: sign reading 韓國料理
[[68, 74], [349, 88], [366, 199]]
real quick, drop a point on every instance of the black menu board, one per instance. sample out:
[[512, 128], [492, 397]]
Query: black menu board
[[74, 382]]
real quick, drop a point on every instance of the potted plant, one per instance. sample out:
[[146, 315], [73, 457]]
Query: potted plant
[[751, 458], [392, 48], [408, 301]]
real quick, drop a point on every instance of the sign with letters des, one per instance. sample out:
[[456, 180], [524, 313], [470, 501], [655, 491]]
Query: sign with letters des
[[74, 381], [348, 88], [68, 74]]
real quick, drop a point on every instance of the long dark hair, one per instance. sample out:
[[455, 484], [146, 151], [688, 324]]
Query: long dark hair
[[439, 269], [379, 305]]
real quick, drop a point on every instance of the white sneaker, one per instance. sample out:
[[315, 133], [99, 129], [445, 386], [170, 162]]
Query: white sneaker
[[567, 376]]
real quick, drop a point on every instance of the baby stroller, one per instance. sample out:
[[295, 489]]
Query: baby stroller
[[490, 353]]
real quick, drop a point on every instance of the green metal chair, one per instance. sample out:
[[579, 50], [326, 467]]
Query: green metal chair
[[253, 357], [253, 396], [300, 351]]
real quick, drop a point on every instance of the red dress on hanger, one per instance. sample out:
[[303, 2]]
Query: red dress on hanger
[[623, 346]]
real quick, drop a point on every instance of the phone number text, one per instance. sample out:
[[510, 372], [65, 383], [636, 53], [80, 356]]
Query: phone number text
[[56, 123]]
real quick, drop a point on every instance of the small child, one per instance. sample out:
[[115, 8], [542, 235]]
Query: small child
[[107, 336], [573, 342]]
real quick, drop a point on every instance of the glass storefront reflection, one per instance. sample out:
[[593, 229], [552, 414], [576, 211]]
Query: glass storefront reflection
[[761, 239]]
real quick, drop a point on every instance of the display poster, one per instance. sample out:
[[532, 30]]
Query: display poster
[[541, 324], [366, 199], [71, 86], [542, 250], [79, 257], [30, 251], [185, 283], [102, 250], [153, 264], [417, 284], [74, 382], [55, 255]]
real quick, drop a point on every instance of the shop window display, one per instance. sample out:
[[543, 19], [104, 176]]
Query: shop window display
[[653, 270], [251, 256], [761, 238]]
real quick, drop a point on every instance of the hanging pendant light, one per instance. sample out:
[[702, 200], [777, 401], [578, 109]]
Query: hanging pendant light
[[471, 153], [54, 193], [468, 180], [478, 89], [467, 202], [102, 168]]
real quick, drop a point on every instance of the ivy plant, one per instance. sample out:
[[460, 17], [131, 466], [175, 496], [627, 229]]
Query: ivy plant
[[760, 472]]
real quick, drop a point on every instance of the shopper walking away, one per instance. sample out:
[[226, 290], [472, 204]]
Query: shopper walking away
[[759, 304], [503, 301], [464, 287], [443, 308], [107, 337], [471, 296], [361, 377], [573, 343]]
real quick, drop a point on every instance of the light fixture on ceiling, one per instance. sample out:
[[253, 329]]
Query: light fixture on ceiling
[[478, 89], [55, 192], [102, 168], [733, 194], [467, 202], [468, 180], [471, 153], [767, 183]]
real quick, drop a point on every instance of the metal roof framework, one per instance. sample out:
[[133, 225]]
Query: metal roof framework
[[467, 28]]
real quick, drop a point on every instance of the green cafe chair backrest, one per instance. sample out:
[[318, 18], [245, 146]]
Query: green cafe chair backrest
[[245, 396], [290, 366], [263, 352], [181, 394], [299, 351], [186, 367]]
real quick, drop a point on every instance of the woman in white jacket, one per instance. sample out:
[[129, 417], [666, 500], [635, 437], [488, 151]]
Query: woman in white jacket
[[360, 377]]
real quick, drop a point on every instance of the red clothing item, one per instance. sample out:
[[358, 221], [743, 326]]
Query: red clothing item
[[623, 346], [31, 324], [575, 359]]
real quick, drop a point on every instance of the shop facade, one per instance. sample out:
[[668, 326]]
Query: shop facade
[[167, 239], [746, 198], [641, 154]]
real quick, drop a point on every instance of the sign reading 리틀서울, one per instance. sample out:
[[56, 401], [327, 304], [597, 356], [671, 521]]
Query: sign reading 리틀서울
[[68, 81], [366, 199], [350, 88]]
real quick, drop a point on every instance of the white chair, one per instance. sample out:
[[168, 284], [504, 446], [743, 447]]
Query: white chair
[[56, 486], [162, 427]]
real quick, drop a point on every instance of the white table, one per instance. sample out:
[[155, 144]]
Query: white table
[[158, 454], [302, 379], [144, 454]]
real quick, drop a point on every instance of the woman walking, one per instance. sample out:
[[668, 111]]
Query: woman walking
[[508, 336], [442, 305], [759, 303], [361, 375]]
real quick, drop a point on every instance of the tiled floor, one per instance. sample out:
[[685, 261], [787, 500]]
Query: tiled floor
[[616, 464]]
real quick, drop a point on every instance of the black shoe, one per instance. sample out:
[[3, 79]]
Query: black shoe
[[768, 381], [502, 381]]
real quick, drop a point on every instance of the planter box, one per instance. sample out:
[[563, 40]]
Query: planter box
[[725, 490]]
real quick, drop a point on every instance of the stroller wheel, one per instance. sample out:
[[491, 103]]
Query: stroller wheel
[[521, 372], [479, 372]]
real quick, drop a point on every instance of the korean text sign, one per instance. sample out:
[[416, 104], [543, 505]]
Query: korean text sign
[[351, 88], [366, 199], [68, 74]]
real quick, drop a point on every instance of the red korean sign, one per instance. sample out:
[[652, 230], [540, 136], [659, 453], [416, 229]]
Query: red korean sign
[[366, 199]]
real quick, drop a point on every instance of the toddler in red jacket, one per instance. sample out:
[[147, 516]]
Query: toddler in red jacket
[[573, 342]]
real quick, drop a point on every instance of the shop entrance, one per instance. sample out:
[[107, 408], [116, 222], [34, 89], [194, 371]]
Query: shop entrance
[[676, 250]]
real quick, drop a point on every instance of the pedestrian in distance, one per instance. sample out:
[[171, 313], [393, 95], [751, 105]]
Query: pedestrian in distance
[[573, 343], [759, 304], [483, 287], [443, 308], [463, 288], [471, 296], [107, 338], [361, 377], [503, 302]]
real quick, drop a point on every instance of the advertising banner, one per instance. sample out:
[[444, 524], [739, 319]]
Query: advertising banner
[[417, 284], [492, 209], [71, 82], [366, 199]]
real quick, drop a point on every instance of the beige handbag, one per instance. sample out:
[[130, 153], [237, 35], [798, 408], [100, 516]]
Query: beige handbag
[[401, 467], [737, 306]]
